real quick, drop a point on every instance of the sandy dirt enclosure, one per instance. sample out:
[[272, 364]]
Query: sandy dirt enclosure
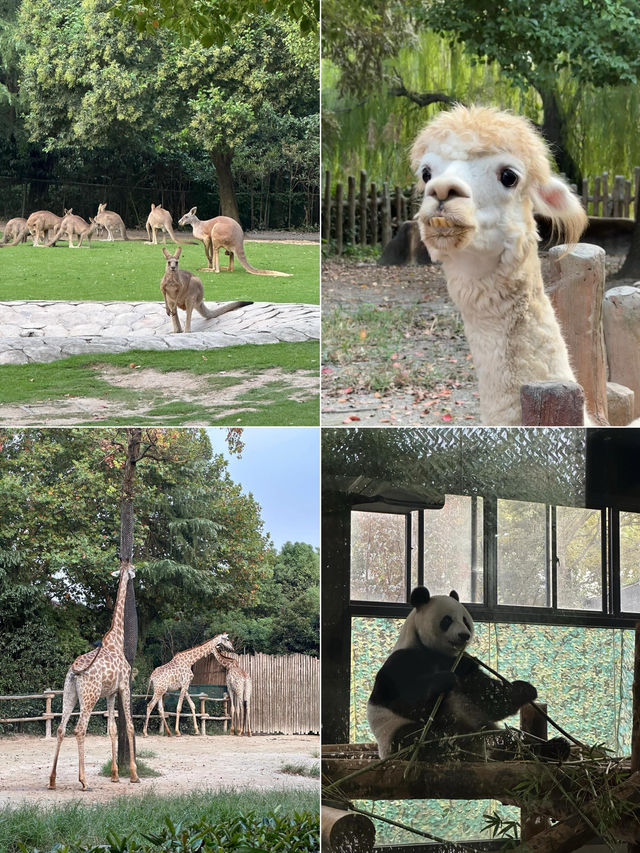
[[188, 763]]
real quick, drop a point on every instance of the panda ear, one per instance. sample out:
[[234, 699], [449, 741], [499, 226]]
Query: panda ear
[[420, 595], [454, 594]]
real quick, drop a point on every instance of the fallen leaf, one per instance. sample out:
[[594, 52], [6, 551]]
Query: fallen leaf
[[447, 417], [350, 418], [362, 334]]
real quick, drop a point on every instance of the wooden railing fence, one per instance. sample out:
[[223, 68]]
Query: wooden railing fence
[[365, 213], [49, 714]]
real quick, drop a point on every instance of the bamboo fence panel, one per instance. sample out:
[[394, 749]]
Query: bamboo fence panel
[[286, 690]]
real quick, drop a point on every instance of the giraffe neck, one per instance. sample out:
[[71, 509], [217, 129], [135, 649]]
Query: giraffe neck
[[190, 656], [226, 661], [114, 638]]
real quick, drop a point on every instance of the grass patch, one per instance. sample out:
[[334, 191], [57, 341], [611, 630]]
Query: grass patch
[[378, 349], [144, 770], [140, 816], [131, 271], [312, 771]]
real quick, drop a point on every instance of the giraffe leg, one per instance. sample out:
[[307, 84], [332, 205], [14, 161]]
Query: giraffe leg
[[81, 730], [179, 708], [150, 708], [247, 718], [193, 711], [163, 718], [113, 734], [69, 699], [126, 704]]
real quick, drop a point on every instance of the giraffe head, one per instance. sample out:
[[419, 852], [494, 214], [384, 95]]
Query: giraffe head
[[222, 641], [124, 565]]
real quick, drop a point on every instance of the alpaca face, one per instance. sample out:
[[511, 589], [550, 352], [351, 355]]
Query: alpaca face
[[484, 172], [475, 204]]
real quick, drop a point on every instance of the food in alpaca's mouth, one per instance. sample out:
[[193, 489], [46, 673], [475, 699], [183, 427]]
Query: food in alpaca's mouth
[[440, 222]]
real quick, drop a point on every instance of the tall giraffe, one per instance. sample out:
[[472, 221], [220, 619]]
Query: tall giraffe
[[239, 690], [101, 672], [178, 674]]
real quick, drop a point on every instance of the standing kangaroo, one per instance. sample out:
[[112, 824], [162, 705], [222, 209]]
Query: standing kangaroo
[[111, 222], [42, 222], [222, 232], [160, 219], [182, 289]]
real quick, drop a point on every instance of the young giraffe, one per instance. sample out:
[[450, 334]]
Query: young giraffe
[[178, 674], [239, 690], [101, 672]]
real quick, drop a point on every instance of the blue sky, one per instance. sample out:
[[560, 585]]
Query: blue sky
[[280, 466]]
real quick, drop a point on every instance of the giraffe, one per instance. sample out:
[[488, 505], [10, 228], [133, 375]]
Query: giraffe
[[239, 690], [101, 672], [178, 674]]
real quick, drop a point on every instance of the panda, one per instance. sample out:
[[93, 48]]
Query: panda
[[418, 670]]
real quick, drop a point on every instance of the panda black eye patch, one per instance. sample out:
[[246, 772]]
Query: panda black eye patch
[[445, 623], [466, 622]]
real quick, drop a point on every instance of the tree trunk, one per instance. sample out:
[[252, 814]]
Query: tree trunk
[[554, 131], [134, 437], [228, 201]]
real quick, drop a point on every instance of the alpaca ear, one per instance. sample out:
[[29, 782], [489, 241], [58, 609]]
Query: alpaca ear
[[555, 200]]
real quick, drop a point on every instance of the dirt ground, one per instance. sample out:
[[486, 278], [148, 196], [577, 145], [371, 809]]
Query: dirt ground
[[187, 763], [154, 389], [442, 386]]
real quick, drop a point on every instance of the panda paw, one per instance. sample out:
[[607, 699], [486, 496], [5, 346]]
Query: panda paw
[[523, 692], [556, 749], [442, 682]]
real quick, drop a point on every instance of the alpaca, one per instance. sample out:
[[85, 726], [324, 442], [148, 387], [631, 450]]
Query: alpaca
[[484, 173]]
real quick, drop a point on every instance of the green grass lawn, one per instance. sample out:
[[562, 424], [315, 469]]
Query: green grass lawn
[[134, 817], [132, 271]]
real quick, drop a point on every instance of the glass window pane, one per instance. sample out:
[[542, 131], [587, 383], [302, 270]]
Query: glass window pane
[[522, 554], [453, 548], [579, 551], [630, 562], [378, 556]]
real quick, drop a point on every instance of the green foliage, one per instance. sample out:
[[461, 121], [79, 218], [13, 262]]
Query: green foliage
[[83, 826]]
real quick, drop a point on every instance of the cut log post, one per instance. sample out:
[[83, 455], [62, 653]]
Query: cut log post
[[362, 202], [48, 695], [346, 832], [552, 404], [351, 209], [620, 404], [621, 313], [576, 289], [535, 724], [339, 215]]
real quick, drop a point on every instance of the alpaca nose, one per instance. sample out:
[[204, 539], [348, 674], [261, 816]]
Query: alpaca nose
[[446, 188]]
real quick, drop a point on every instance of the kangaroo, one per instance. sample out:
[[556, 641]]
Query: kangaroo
[[160, 219], [74, 225], [182, 289], [222, 232], [111, 222], [15, 231], [42, 222]]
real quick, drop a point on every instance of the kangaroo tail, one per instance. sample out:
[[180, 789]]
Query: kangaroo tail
[[240, 255], [230, 306]]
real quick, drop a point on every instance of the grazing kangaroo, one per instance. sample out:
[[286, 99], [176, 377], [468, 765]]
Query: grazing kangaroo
[[160, 220], [15, 231], [111, 222], [182, 289], [222, 232], [42, 222], [74, 225]]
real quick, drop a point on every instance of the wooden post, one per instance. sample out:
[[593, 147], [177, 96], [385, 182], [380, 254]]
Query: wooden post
[[385, 215], [373, 213], [339, 211], [552, 404], [576, 289], [203, 713], [585, 193], [346, 832], [605, 194], [363, 208], [620, 404], [399, 205], [48, 695], [351, 209], [621, 319], [535, 724], [326, 207]]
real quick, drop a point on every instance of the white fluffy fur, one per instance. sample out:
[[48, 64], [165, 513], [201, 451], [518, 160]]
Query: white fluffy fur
[[485, 235]]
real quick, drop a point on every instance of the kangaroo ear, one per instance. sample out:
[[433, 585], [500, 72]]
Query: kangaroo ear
[[178, 252], [193, 210], [166, 254], [153, 207]]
